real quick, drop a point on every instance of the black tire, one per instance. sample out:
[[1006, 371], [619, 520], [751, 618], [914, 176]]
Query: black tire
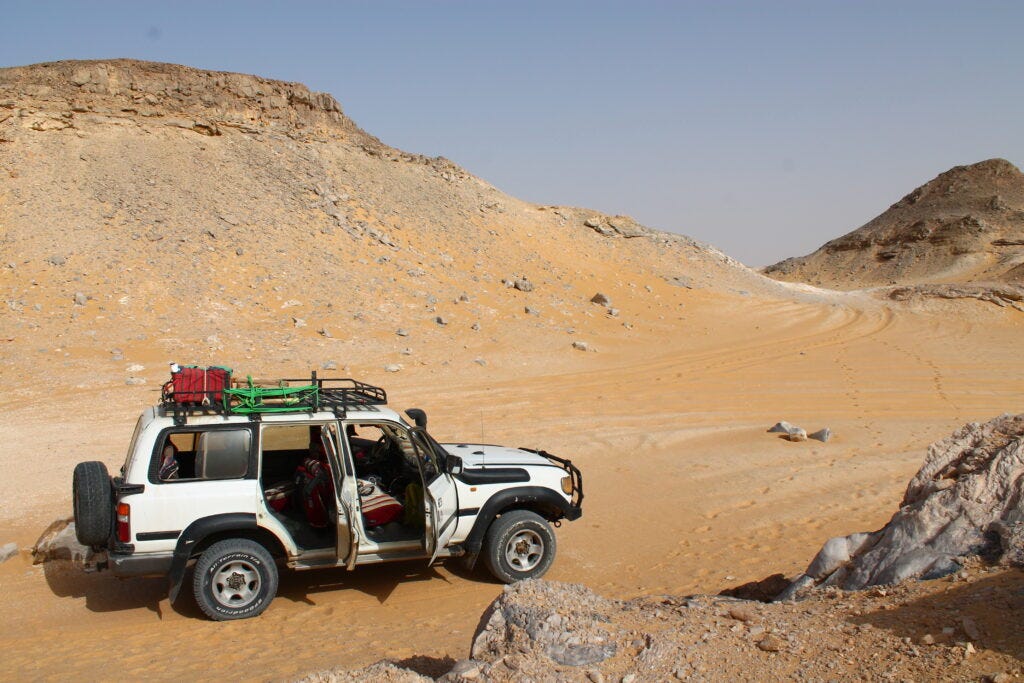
[[93, 500], [234, 579], [519, 545]]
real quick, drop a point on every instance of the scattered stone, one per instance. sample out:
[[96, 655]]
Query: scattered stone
[[970, 628], [613, 312], [116, 354], [239, 251], [629, 678], [8, 551], [324, 332], [298, 322], [781, 428], [680, 281], [822, 435], [771, 643], [441, 320], [601, 299], [56, 260], [742, 613], [480, 361], [135, 367], [465, 670], [523, 285], [797, 434], [135, 381], [475, 327], [329, 365], [80, 299], [463, 298], [1000, 677], [393, 367], [401, 332], [581, 346], [529, 310], [927, 639]]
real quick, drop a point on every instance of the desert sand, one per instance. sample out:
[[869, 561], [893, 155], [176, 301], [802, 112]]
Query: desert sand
[[666, 415], [685, 492]]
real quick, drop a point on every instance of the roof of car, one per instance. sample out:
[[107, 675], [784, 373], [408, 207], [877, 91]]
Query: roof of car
[[368, 413]]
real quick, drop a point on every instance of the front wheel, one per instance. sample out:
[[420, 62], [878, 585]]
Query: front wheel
[[235, 579], [519, 545]]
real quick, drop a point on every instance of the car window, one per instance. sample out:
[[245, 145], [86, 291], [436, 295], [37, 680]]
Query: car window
[[426, 455], [198, 455]]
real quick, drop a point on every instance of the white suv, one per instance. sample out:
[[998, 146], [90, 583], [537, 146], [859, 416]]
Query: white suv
[[326, 478]]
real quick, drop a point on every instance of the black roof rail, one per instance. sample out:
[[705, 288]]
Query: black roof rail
[[288, 395]]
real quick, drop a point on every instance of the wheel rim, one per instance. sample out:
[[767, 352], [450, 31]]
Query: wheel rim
[[236, 584], [524, 550]]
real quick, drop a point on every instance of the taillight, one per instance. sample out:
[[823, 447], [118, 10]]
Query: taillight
[[124, 527]]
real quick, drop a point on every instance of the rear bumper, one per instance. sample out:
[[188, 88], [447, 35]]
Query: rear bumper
[[146, 564]]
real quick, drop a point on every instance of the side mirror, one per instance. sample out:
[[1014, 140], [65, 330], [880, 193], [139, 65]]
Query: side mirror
[[454, 464], [419, 417]]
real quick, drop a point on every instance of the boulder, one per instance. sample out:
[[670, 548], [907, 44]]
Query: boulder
[[561, 621], [822, 435], [58, 542], [965, 500]]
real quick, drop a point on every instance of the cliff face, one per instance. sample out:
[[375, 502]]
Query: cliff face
[[70, 91], [966, 225]]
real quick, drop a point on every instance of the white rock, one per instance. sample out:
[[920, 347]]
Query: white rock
[[8, 551]]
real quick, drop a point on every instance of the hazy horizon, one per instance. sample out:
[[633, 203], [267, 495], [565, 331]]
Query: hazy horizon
[[765, 130]]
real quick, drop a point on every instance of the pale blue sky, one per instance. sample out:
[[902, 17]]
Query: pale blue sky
[[763, 128]]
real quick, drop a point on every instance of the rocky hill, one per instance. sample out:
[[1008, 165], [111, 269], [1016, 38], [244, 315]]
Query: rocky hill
[[964, 226], [154, 212]]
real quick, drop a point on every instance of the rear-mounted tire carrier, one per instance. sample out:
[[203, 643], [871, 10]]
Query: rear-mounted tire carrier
[[93, 501]]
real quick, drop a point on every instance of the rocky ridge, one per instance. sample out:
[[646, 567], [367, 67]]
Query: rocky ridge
[[964, 226], [206, 206]]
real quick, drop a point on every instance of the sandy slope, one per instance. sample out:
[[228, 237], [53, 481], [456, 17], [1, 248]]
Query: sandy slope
[[685, 490]]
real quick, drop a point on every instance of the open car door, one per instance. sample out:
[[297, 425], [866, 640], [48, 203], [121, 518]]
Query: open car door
[[442, 505], [348, 547]]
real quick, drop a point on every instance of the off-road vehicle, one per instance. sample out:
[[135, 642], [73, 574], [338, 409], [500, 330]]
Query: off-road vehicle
[[235, 483]]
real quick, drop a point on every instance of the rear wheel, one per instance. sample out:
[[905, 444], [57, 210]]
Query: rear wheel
[[93, 501], [234, 579], [519, 545]]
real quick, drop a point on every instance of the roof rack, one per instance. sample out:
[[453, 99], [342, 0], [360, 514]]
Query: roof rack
[[290, 395]]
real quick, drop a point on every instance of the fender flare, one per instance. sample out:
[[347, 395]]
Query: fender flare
[[194, 534], [555, 507]]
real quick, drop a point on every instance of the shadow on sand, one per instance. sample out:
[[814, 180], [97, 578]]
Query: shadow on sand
[[104, 592]]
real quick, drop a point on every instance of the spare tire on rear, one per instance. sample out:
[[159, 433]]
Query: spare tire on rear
[[93, 503]]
